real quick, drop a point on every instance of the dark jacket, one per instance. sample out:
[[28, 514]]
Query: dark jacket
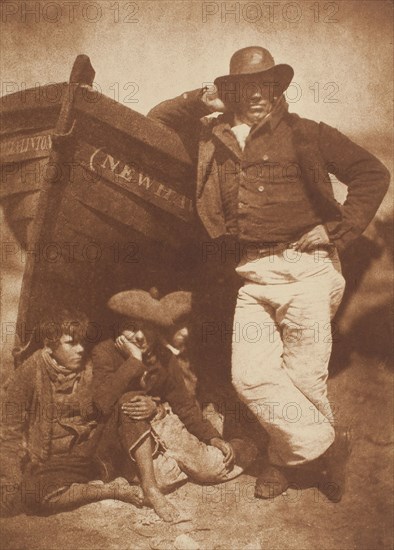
[[320, 150], [29, 412], [113, 376]]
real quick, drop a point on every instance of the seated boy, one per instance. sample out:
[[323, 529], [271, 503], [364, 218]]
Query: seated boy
[[50, 429], [171, 442]]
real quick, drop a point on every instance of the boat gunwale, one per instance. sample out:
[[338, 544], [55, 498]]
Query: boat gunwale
[[23, 100], [133, 124]]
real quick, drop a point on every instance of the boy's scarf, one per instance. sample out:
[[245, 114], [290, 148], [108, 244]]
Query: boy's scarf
[[63, 379]]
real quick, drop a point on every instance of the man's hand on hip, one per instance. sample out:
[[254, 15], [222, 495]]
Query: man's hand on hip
[[314, 238]]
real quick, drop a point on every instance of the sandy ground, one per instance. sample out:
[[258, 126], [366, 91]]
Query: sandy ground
[[229, 517]]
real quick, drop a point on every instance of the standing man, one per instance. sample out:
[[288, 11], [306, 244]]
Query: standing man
[[262, 180]]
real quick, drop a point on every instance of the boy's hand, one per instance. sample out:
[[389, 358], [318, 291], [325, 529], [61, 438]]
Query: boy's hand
[[226, 449], [212, 100], [127, 348], [140, 407]]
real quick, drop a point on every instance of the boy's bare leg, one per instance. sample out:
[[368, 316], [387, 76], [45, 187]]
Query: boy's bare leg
[[154, 497], [79, 494]]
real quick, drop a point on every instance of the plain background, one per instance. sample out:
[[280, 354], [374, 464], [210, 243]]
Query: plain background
[[173, 46]]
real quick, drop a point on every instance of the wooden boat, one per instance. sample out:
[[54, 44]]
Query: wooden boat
[[99, 196]]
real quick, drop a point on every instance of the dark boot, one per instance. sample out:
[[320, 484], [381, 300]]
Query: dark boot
[[333, 466], [271, 483]]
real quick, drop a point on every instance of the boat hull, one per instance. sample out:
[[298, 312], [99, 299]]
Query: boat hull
[[103, 206]]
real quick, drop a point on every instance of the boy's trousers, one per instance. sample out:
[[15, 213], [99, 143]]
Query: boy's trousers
[[182, 455]]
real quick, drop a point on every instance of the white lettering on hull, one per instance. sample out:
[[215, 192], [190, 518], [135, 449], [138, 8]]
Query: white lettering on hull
[[123, 174]]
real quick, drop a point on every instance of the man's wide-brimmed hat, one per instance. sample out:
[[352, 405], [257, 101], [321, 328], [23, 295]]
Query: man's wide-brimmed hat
[[139, 305], [258, 63]]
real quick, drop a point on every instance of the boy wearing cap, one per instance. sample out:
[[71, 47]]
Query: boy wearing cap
[[263, 185], [170, 442]]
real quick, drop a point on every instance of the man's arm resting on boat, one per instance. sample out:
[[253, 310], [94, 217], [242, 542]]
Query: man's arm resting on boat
[[179, 112]]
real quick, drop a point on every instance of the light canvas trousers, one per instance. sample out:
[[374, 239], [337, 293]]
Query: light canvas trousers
[[282, 345], [181, 455]]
